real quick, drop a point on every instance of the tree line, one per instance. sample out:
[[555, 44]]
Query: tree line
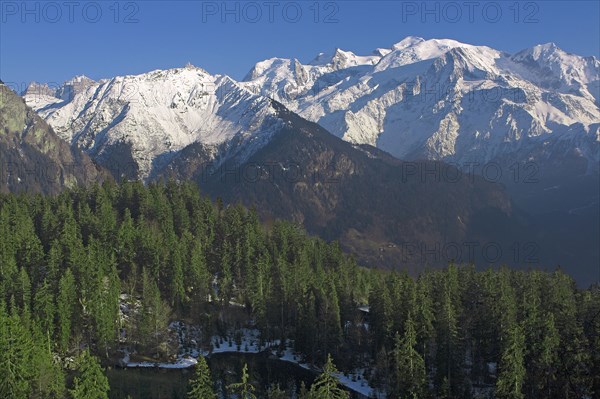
[[69, 262]]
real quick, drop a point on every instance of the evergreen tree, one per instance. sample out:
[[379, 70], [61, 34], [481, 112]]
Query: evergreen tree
[[49, 378], [90, 383], [449, 356], [154, 316], [424, 317], [381, 315], [45, 308], [66, 305], [304, 393], [201, 386], [275, 392], [409, 367], [244, 389], [326, 384], [512, 369], [15, 357]]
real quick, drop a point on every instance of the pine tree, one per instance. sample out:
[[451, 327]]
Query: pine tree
[[45, 308], [225, 277], [154, 315], [126, 243], [244, 389], [91, 383], [23, 292], [15, 357], [329, 325], [304, 393], [275, 392], [512, 369], [381, 315], [424, 317], [49, 379], [449, 356], [326, 384], [572, 374], [202, 385], [66, 304], [409, 367], [199, 277], [176, 287], [103, 290]]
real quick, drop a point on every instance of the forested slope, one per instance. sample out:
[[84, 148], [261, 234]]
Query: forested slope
[[69, 263]]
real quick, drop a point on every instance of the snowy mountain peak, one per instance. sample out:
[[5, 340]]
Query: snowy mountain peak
[[415, 49], [550, 66], [340, 59], [159, 113], [540, 51], [408, 41], [436, 98], [38, 89], [443, 99], [267, 65], [79, 79], [381, 52], [324, 58]]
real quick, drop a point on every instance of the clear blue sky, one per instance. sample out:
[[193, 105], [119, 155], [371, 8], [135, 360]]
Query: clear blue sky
[[53, 41]]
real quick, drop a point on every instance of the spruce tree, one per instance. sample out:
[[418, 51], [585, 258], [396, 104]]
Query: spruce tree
[[66, 305], [409, 368], [91, 383], [202, 385], [244, 389], [45, 308], [15, 357], [275, 392], [326, 386], [512, 369]]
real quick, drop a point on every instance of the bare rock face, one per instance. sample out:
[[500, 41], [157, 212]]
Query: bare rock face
[[32, 157]]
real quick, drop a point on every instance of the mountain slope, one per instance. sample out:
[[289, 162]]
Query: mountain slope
[[368, 200], [133, 124], [438, 100], [532, 118], [32, 157], [442, 99]]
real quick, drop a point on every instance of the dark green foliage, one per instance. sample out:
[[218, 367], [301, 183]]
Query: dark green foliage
[[174, 255], [512, 369], [201, 386], [90, 383], [409, 368], [243, 389], [326, 384]]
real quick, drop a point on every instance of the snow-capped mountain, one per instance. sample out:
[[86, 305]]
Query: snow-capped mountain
[[432, 99], [139, 121], [435, 99], [442, 99]]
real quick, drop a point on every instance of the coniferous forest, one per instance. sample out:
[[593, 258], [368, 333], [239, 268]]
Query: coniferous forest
[[70, 264]]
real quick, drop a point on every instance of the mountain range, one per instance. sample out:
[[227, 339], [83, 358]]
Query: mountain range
[[442, 99], [362, 125]]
